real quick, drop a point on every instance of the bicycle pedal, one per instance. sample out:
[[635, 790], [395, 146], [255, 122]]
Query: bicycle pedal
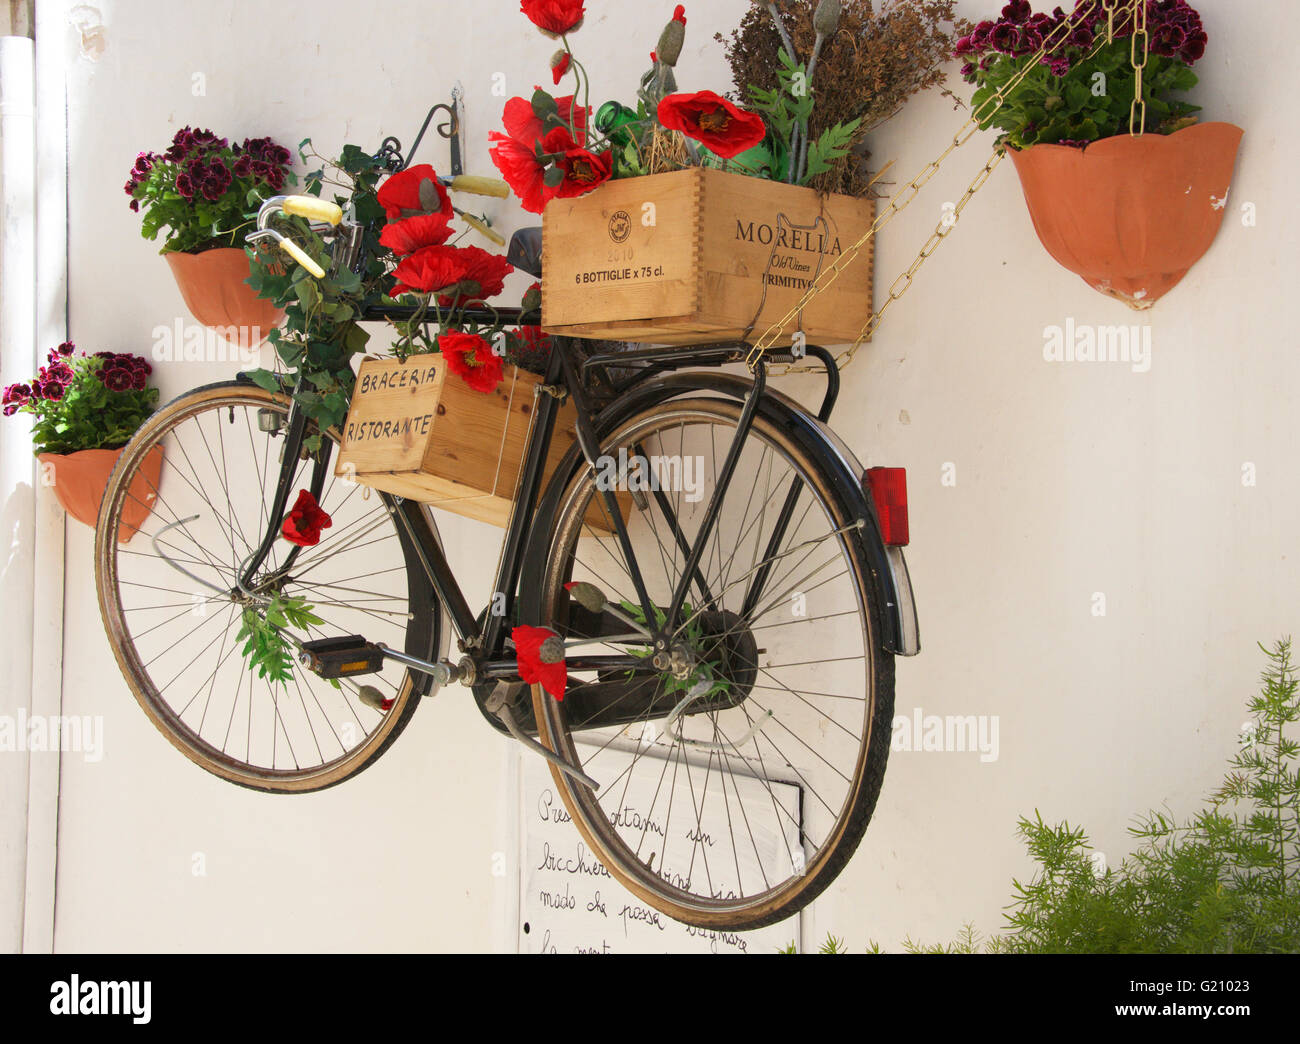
[[344, 657]]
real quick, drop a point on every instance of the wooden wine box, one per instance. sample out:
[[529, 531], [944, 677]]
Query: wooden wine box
[[701, 255], [418, 431]]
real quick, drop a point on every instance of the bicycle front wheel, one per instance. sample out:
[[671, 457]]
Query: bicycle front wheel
[[173, 605], [734, 786]]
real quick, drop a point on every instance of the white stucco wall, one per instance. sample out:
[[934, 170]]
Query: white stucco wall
[[1071, 480]]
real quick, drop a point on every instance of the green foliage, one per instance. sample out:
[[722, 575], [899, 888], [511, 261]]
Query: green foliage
[[322, 331], [1227, 881], [787, 110], [1082, 106], [694, 637], [832, 944], [266, 649], [89, 414]]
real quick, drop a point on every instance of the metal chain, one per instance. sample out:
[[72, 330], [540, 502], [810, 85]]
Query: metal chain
[[1109, 5], [1137, 119], [904, 197]]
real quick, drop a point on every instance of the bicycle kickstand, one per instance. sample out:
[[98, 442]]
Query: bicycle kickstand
[[499, 704]]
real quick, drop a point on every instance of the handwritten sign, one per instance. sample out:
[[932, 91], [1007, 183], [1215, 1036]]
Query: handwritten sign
[[569, 903]]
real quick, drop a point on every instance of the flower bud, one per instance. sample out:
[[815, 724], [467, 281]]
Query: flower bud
[[589, 596], [551, 650], [671, 41], [826, 19]]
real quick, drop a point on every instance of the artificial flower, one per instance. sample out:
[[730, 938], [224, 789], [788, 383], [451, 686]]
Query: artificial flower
[[429, 271], [554, 17], [521, 170], [407, 236], [560, 64], [536, 652], [304, 523], [404, 195], [471, 358], [483, 275], [524, 125], [713, 121], [583, 171]]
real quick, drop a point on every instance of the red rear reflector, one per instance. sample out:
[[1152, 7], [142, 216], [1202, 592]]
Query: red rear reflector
[[889, 490]]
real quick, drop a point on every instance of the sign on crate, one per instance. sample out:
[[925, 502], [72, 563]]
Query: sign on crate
[[418, 431], [701, 255]]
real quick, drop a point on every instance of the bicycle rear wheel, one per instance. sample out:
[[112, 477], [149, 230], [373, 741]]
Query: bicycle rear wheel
[[174, 633], [734, 807]]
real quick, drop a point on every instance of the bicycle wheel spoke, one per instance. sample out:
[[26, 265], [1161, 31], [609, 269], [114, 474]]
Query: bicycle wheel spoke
[[749, 767], [300, 732]]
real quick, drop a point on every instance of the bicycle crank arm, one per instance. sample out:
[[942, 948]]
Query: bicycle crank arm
[[443, 673]]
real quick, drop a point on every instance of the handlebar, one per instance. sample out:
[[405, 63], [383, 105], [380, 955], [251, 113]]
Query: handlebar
[[325, 216], [478, 186], [313, 209]]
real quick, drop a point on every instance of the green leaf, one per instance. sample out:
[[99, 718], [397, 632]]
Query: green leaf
[[265, 379]]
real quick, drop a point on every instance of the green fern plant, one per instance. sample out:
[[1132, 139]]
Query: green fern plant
[[1226, 881]]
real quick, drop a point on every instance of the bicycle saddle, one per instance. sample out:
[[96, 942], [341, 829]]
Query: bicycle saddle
[[525, 251]]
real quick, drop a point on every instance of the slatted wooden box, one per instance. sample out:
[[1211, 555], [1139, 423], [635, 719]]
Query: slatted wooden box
[[418, 431], [701, 255]]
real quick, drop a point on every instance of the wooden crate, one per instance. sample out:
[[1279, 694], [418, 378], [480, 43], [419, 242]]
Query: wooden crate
[[418, 431], [724, 252]]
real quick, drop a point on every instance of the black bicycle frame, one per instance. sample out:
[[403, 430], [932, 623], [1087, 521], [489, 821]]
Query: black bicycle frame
[[562, 376]]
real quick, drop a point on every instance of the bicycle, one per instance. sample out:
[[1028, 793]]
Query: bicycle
[[690, 614]]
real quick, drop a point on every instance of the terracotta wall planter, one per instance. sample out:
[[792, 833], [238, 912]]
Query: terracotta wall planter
[[214, 285], [1130, 214], [81, 478]]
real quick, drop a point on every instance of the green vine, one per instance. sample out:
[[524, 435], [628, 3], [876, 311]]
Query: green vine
[[322, 330]]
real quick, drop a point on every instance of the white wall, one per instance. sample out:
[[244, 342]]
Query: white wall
[[1070, 481]]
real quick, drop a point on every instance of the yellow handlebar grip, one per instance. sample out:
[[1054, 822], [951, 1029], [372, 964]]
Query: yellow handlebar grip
[[480, 186], [475, 223], [298, 254], [313, 209]]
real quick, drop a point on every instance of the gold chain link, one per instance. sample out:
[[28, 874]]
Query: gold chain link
[[1137, 119], [1109, 5], [904, 197]]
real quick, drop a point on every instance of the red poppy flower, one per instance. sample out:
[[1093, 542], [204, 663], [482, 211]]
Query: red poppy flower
[[535, 647], [583, 171], [471, 358], [518, 165], [522, 124], [305, 521], [400, 194], [560, 63], [483, 276], [415, 233], [555, 17], [713, 121], [429, 271]]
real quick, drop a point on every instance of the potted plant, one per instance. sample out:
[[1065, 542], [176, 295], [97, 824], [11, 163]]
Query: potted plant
[[87, 407], [1124, 186], [206, 192], [687, 217], [882, 54]]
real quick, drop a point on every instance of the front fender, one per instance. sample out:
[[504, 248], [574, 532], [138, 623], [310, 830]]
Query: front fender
[[780, 410]]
